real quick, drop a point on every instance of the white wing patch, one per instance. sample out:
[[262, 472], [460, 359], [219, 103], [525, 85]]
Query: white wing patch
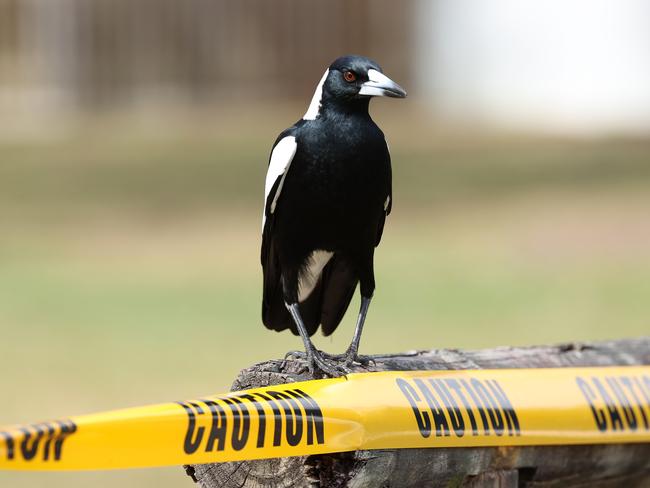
[[314, 106], [310, 275], [281, 158]]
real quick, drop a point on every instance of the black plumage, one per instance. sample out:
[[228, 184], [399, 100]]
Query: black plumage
[[328, 195]]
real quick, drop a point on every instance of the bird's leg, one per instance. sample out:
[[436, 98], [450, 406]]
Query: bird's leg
[[315, 361], [351, 355], [367, 288]]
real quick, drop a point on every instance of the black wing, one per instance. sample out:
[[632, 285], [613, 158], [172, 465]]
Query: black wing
[[388, 204], [274, 313]]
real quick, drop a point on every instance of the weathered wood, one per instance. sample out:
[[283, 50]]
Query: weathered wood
[[548, 466]]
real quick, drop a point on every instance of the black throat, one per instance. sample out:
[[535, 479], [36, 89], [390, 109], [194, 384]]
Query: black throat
[[335, 107]]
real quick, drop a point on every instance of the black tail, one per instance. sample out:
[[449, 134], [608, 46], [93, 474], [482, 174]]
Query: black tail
[[326, 305], [338, 285], [274, 313]]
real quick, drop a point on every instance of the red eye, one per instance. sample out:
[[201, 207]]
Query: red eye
[[349, 76]]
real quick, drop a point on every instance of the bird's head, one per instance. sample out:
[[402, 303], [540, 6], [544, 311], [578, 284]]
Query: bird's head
[[357, 76], [350, 79]]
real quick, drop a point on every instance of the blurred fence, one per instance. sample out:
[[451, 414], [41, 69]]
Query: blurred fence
[[566, 66], [89, 54]]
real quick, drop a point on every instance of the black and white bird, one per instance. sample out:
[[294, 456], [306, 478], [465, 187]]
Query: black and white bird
[[327, 194]]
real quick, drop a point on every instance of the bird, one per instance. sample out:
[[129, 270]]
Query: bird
[[327, 193]]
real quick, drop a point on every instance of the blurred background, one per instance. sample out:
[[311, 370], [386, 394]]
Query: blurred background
[[134, 140]]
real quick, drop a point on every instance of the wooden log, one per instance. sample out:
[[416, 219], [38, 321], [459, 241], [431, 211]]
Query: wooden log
[[538, 466]]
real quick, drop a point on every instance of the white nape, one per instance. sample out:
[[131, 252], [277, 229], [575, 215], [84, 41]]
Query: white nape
[[311, 274], [281, 158], [314, 106]]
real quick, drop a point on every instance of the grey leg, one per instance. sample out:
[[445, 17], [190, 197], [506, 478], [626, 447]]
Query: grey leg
[[315, 361], [351, 355]]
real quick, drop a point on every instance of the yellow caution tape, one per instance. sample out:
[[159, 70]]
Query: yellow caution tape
[[360, 411]]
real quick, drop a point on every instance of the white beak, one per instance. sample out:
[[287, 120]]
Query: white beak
[[380, 85]]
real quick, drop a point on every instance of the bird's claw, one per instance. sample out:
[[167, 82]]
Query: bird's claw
[[317, 364], [295, 355], [352, 359]]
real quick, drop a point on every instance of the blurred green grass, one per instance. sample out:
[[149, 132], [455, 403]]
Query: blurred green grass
[[129, 269], [190, 172]]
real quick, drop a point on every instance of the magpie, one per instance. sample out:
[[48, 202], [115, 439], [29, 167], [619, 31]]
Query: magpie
[[327, 194]]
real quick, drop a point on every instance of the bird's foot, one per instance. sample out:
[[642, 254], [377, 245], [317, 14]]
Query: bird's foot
[[295, 355], [316, 363], [350, 358], [354, 358]]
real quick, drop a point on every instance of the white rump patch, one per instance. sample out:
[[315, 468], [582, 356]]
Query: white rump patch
[[386, 203], [314, 106], [310, 275], [281, 158]]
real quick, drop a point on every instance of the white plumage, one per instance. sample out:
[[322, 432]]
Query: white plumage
[[310, 275], [314, 106], [281, 158]]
